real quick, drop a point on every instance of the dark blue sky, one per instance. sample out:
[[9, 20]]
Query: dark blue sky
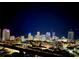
[[22, 18]]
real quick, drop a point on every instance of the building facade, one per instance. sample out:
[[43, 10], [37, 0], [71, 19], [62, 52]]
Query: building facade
[[70, 35], [6, 34]]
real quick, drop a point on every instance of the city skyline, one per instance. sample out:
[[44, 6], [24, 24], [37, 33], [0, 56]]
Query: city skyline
[[23, 18], [39, 29], [47, 42], [6, 34]]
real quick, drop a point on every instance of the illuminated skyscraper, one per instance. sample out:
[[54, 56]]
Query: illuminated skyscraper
[[0, 34], [53, 35], [22, 38], [6, 34], [37, 36], [43, 37], [70, 35], [30, 37], [48, 35]]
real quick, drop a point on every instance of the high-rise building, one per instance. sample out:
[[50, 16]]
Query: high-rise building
[[6, 34], [38, 33], [48, 35], [23, 38], [37, 36], [30, 37], [53, 35], [70, 35], [43, 37], [0, 34], [12, 37]]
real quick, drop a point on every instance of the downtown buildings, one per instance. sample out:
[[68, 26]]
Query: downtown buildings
[[43, 41], [47, 40], [48, 36]]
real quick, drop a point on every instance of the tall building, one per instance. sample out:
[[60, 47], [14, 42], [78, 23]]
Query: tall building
[[53, 35], [37, 36], [70, 35], [0, 34], [30, 37], [23, 38], [38, 33], [48, 35], [6, 34], [43, 37]]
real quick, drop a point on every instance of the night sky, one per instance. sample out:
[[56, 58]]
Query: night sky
[[22, 18]]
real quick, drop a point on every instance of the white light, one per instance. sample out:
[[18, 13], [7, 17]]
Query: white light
[[7, 30]]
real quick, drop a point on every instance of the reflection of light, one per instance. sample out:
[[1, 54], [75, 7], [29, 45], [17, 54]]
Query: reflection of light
[[11, 50], [43, 48], [47, 46], [1, 47], [7, 30], [70, 51], [65, 45]]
